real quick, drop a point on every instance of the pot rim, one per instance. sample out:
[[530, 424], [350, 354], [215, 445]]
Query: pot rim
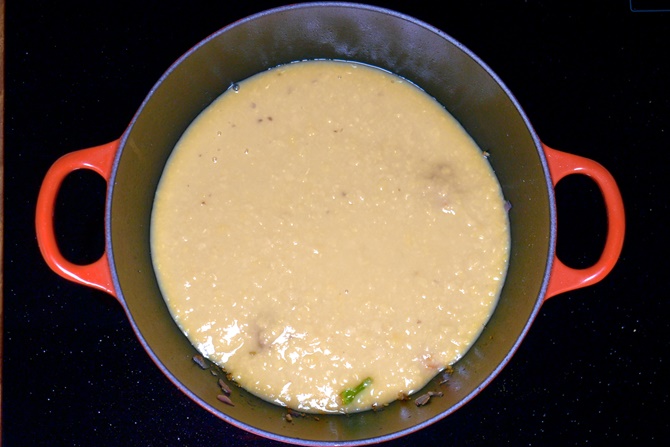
[[287, 439]]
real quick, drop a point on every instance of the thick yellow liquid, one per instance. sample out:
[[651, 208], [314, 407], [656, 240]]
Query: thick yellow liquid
[[326, 222]]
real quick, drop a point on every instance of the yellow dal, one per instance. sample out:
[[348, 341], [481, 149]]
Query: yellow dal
[[324, 222]]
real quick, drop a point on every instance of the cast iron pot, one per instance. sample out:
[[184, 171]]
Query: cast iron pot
[[527, 170]]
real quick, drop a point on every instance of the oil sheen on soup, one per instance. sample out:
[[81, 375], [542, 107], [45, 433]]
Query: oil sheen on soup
[[329, 234]]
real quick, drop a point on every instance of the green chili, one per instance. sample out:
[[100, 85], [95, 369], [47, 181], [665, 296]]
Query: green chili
[[349, 394]]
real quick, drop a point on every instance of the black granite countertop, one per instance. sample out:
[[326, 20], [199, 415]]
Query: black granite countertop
[[593, 78]]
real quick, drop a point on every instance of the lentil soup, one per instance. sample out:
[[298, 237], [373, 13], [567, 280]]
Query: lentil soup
[[329, 234]]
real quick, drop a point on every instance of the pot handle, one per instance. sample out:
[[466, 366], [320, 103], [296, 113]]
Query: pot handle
[[564, 278], [99, 159]]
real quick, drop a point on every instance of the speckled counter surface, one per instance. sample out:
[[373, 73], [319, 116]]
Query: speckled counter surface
[[593, 81]]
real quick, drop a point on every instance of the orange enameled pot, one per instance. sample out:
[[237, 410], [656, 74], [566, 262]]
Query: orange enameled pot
[[527, 170]]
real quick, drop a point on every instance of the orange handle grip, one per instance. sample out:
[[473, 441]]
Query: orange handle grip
[[99, 159], [564, 278]]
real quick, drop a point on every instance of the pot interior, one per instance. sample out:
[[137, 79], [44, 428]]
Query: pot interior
[[365, 34]]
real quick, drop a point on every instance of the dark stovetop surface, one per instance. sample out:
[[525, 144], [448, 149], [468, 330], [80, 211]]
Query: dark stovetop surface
[[593, 81]]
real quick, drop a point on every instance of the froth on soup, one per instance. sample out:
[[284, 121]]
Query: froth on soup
[[328, 233]]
